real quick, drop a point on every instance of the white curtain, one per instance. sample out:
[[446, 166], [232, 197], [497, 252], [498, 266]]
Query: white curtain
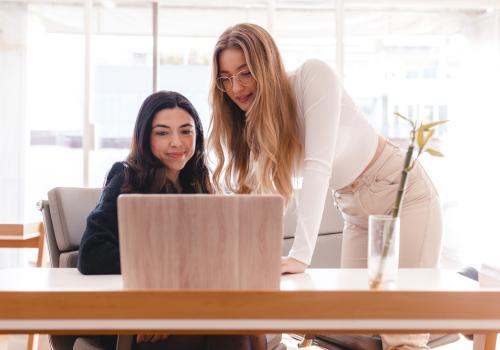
[[473, 233], [13, 135]]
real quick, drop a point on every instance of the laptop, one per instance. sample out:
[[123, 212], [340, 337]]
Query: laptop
[[200, 241]]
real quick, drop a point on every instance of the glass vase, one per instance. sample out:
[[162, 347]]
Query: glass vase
[[383, 251]]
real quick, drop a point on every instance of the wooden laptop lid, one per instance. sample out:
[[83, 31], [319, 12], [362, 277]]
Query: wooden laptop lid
[[200, 241]]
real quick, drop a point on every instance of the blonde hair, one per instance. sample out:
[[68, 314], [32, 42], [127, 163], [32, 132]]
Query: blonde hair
[[267, 133]]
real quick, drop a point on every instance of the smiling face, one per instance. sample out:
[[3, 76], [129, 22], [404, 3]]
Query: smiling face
[[232, 63], [173, 140]]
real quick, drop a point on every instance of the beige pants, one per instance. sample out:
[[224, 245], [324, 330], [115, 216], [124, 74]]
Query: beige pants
[[374, 192]]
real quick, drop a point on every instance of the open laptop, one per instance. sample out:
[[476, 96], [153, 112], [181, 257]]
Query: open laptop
[[200, 241]]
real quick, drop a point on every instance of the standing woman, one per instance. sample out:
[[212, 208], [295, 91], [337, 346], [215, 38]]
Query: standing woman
[[269, 127], [166, 156]]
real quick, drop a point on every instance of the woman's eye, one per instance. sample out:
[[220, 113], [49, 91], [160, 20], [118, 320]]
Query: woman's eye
[[187, 132], [246, 73], [161, 133]]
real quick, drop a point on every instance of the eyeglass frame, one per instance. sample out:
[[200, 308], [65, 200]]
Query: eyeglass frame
[[230, 78]]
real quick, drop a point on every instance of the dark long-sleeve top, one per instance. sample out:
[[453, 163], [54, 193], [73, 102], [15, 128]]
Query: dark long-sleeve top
[[99, 251]]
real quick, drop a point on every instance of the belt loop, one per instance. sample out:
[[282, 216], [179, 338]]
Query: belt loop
[[335, 195]]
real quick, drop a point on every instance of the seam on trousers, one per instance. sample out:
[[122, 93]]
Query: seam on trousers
[[426, 235], [390, 154], [432, 214]]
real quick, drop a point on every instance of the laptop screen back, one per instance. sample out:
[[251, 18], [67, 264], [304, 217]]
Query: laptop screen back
[[200, 241]]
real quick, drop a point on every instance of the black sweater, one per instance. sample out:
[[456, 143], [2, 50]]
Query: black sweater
[[99, 252], [99, 249]]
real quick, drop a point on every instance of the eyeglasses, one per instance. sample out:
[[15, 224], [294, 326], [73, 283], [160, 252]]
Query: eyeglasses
[[225, 83]]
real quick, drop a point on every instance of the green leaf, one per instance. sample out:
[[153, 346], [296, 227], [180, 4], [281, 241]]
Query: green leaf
[[433, 124], [434, 152]]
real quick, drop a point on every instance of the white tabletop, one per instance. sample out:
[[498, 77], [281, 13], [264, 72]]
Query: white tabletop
[[64, 279]]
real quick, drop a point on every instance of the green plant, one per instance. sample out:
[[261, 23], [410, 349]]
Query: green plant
[[420, 135]]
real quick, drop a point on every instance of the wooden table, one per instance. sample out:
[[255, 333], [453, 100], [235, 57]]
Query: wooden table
[[24, 236], [61, 301]]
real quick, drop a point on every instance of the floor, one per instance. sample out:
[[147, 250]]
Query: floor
[[19, 342]]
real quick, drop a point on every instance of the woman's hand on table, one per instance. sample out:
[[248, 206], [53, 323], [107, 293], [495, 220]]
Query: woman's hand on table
[[291, 265], [151, 338]]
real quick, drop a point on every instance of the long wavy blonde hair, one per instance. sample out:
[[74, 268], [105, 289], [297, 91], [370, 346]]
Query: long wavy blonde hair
[[256, 151]]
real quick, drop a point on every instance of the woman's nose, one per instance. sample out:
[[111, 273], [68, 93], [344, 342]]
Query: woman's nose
[[237, 87], [175, 140]]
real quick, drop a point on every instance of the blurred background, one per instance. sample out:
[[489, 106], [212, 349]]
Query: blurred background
[[73, 74]]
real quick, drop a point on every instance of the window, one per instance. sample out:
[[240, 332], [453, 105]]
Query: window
[[54, 63], [418, 59], [433, 65], [122, 61]]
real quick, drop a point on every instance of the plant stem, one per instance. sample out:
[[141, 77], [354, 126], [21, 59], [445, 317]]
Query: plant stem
[[375, 283], [404, 180]]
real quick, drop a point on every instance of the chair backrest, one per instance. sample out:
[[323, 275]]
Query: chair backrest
[[64, 215], [331, 221]]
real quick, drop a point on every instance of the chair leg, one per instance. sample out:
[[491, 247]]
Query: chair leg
[[41, 245], [307, 341], [484, 341], [491, 341], [33, 338], [124, 342], [33, 342]]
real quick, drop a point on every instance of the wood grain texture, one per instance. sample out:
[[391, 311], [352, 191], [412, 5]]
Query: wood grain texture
[[200, 241], [279, 305]]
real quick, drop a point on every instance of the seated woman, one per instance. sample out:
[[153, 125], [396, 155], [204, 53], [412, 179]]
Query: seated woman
[[166, 156]]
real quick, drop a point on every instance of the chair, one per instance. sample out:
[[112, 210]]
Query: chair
[[327, 251], [368, 342], [64, 215]]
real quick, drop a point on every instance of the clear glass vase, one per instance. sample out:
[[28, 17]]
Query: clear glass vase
[[383, 251]]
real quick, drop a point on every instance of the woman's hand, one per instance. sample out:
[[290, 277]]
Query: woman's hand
[[291, 265], [151, 338]]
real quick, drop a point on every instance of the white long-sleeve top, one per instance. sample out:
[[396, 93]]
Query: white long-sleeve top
[[338, 144]]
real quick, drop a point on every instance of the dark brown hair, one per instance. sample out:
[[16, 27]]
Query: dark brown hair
[[144, 172]]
